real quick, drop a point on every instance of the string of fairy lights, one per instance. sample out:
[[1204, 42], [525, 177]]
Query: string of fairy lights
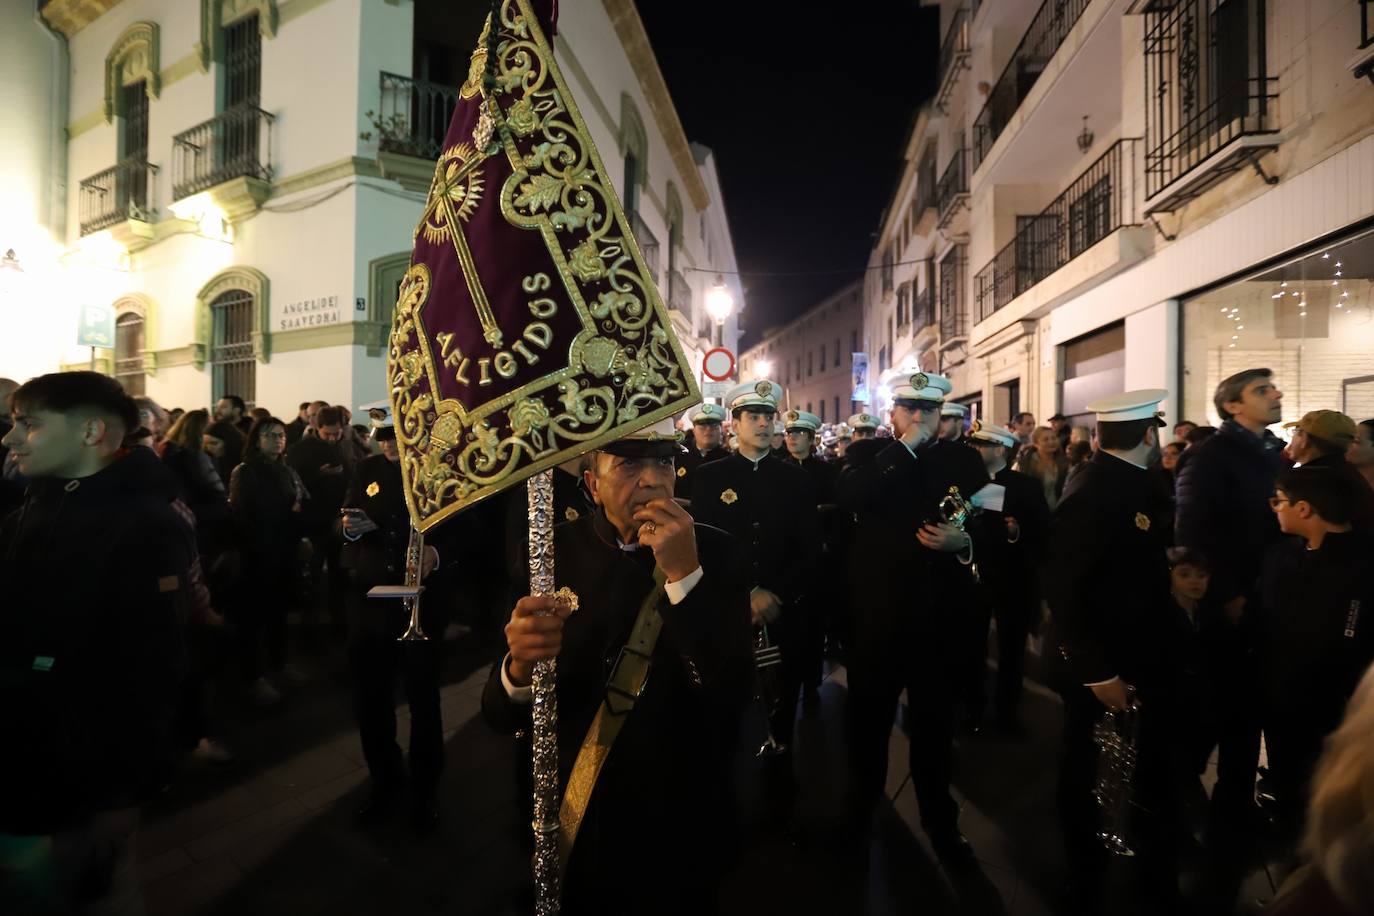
[[1337, 280]]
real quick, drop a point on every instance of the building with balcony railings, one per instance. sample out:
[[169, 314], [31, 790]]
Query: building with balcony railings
[[245, 201], [1141, 193], [812, 356]]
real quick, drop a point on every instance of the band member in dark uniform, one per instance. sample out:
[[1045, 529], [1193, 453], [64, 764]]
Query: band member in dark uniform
[[801, 443], [708, 446], [375, 526], [1108, 587], [864, 444], [952, 422], [1010, 563], [650, 839], [908, 615], [770, 507]]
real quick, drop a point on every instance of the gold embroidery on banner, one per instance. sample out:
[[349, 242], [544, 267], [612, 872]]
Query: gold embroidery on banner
[[624, 367]]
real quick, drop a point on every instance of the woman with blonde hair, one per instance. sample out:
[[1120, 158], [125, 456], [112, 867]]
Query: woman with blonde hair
[[1339, 877], [1044, 460]]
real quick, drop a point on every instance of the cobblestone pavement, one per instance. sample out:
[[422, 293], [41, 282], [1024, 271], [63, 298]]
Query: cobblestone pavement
[[274, 833]]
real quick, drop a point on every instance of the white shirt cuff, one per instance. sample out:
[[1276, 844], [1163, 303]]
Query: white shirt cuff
[[517, 694], [678, 591], [1100, 683]]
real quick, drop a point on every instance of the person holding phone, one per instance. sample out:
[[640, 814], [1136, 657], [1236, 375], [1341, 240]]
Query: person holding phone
[[326, 469], [374, 525]]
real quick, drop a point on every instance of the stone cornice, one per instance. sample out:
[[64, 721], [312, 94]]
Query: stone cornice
[[629, 28], [71, 16]]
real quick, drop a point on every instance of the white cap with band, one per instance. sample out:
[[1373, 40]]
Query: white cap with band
[[1142, 404]]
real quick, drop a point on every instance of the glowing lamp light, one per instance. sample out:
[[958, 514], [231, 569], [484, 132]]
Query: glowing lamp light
[[764, 368], [719, 302]]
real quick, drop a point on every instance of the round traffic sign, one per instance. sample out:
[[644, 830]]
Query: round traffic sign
[[718, 364]]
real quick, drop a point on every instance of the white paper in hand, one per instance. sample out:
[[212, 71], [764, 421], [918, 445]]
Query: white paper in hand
[[992, 497]]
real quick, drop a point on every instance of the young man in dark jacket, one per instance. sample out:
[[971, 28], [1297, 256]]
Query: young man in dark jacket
[[95, 565], [1222, 512], [1315, 638]]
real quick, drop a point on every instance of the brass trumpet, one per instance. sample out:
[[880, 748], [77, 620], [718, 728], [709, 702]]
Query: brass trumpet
[[410, 592], [1117, 736], [415, 554], [956, 511]]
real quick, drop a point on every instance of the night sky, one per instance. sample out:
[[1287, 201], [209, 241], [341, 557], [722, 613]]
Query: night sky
[[807, 108]]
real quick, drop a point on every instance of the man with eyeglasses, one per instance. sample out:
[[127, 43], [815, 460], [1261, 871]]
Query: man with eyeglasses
[[657, 639], [1317, 637]]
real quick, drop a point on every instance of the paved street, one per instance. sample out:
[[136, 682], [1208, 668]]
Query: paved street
[[274, 832]]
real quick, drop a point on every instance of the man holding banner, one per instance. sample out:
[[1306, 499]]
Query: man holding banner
[[656, 662], [528, 331]]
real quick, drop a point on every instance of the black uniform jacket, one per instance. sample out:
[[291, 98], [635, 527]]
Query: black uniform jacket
[[1317, 626], [898, 583], [1107, 579], [91, 649], [687, 465], [1011, 567], [770, 506], [664, 786], [378, 557]]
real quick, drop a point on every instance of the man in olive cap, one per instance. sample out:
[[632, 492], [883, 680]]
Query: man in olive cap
[[1320, 440]]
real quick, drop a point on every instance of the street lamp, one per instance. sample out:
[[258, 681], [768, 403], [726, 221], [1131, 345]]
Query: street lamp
[[764, 368], [719, 304]]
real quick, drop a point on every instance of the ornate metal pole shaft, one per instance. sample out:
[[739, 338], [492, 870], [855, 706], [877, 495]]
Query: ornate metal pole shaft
[[539, 490]]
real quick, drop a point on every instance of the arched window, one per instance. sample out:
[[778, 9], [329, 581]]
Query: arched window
[[634, 146], [232, 330], [130, 343], [232, 364]]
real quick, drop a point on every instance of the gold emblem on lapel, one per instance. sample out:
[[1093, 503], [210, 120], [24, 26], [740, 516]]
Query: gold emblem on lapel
[[571, 514], [729, 497], [1142, 521], [373, 489], [682, 472]]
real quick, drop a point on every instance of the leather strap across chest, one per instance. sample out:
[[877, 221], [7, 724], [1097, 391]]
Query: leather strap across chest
[[623, 689]]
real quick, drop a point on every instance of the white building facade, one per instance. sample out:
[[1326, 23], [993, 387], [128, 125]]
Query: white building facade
[[240, 181], [1157, 196]]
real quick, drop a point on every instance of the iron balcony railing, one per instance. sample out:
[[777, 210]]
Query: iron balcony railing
[[1051, 25], [1097, 203], [1206, 83], [414, 115], [679, 293], [124, 191], [925, 182], [921, 311], [236, 143], [953, 185], [954, 52], [953, 305], [648, 244]]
